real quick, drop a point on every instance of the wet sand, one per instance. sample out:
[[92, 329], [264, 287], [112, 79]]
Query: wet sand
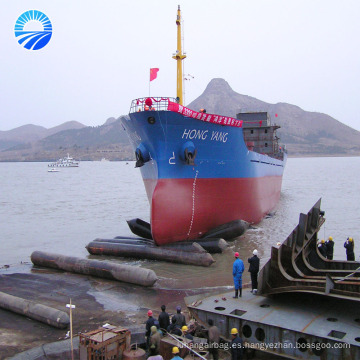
[[98, 301]]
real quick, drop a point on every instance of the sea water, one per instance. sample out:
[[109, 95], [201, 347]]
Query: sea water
[[62, 212]]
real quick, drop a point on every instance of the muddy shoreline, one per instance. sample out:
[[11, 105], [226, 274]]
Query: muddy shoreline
[[98, 301]]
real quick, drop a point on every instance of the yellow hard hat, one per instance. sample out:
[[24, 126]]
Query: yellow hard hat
[[322, 241], [234, 331], [350, 239], [184, 328], [330, 238], [175, 350], [153, 329]]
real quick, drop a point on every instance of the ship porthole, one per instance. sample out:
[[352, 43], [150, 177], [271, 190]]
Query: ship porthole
[[151, 120], [318, 348], [357, 339], [260, 334], [301, 344], [246, 330]]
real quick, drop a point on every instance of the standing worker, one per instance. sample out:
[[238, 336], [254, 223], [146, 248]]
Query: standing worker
[[330, 248], [180, 318], [254, 269], [164, 319], [238, 269], [214, 340], [155, 340], [176, 351], [322, 248], [149, 323], [236, 345], [349, 246]]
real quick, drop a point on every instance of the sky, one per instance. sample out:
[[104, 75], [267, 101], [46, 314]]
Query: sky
[[301, 52]]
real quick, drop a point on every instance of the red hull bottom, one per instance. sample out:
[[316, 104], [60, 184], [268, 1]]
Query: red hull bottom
[[187, 208]]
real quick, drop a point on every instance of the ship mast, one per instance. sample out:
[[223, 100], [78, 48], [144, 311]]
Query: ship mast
[[179, 56]]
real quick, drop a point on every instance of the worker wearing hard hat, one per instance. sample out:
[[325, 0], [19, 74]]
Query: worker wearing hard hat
[[176, 352], [155, 340], [322, 248], [236, 345], [149, 323], [254, 262], [349, 246], [329, 248], [238, 269], [185, 331]]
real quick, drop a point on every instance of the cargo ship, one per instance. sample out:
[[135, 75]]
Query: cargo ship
[[201, 170]]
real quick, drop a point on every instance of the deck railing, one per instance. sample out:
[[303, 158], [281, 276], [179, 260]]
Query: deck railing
[[157, 104]]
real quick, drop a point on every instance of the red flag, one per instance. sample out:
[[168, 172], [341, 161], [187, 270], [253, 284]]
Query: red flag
[[153, 73]]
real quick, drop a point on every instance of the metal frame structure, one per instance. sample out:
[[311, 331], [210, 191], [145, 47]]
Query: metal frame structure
[[308, 307]]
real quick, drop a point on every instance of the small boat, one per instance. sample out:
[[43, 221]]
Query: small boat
[[53, 170], [67, 161]]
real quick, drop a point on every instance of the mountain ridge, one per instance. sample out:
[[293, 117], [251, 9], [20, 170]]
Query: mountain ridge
[[304, 133], [30, 133]]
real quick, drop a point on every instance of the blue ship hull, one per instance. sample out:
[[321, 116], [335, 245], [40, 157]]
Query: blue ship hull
[[199, 175]]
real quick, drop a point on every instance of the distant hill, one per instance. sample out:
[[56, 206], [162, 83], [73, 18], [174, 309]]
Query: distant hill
[[110, 121], [110, 133], [69, 125], [20, 135], [303, 132], [31, 133], [108, 141]]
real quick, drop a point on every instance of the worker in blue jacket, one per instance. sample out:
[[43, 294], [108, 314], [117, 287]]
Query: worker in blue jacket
[[236, 345], [238, 269]]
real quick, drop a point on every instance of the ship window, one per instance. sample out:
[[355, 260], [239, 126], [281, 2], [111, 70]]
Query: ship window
[[266, 144], [265, 131], [251, 131]]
